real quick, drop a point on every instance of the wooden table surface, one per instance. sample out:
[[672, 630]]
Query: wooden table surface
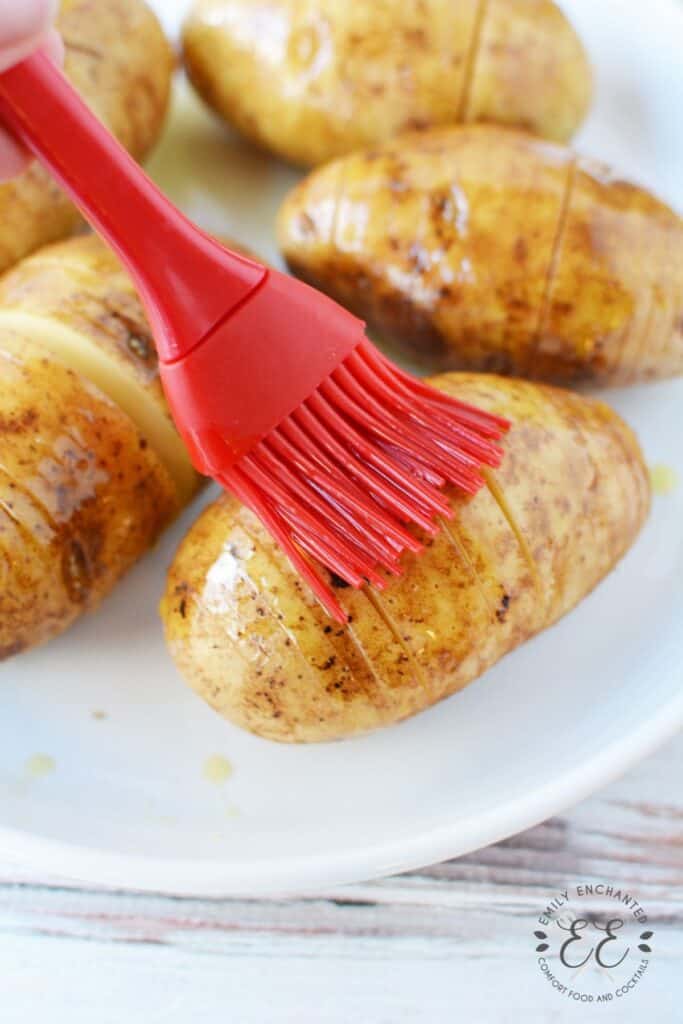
[[446, 943]]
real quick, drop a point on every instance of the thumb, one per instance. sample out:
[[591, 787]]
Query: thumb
[[23, 25]]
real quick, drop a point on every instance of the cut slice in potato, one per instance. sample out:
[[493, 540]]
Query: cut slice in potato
[[76, 299], [82, 355]]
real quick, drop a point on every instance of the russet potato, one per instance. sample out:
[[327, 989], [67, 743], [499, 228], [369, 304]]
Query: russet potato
[[566, 504], [315, 79], [119, 60], [487, 249], [91, 468]]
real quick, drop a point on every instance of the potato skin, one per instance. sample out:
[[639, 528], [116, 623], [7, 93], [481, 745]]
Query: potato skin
[[82, 495], [486, 249], [315, 79], [118, 58], [567, 503]]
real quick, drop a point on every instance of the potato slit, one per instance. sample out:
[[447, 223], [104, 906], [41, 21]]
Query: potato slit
[[83, 356], [367, 661], [338, 193], [378, 604], [666, 320], [87, 51], [472, 54], [553, 264], [266, 550], [25, 530], [572, 424], [452, 534], [641, 342], [497, 494], [618, 439]]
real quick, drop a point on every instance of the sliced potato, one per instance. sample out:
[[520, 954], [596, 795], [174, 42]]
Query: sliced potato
[[76, 299], [529, 71], [315, 79], [483, 248], [91, 468], [248, 636], [82, 494]]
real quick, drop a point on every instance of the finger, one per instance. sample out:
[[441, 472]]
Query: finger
[[53, 46], [13, 157], [22, 25]]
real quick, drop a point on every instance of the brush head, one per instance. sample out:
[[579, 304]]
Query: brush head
[[335, 449], [368, 454]]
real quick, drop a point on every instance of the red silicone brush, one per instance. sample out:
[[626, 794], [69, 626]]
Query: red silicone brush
[[275, 388]]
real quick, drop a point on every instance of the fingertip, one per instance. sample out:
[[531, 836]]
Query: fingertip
[[53, 46], [25, 20], [14, 159], [24, 25]]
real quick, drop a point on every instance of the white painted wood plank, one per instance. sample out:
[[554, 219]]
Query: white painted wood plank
[[84, 983], [448, 941]]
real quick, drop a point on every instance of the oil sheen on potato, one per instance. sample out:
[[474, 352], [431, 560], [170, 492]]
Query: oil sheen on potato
[[484, 248]]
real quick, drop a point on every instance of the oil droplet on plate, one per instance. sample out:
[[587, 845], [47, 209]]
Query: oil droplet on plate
[[664, 479], [40, 765], [217, 769]]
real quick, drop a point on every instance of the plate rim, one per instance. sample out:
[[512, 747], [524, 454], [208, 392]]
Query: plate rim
[[301, 875]]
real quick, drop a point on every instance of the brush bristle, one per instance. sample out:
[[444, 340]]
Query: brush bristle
[[342, 478]]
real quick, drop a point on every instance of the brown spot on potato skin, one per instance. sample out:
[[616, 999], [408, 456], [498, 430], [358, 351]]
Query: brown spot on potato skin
[[502, 610], [521, 250], [25, 421]]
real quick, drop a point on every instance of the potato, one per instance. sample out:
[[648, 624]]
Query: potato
[[315, 79], [82, 495], [118, 58], [486, 249], [76, 299], [91, 468], [249, 637]]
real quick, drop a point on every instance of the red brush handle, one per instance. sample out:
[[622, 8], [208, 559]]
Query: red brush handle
[[188, 281]]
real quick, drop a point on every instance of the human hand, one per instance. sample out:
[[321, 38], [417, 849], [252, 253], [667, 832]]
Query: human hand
[[25, 25]]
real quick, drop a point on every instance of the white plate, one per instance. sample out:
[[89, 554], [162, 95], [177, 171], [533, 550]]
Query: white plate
[[127, 803]]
